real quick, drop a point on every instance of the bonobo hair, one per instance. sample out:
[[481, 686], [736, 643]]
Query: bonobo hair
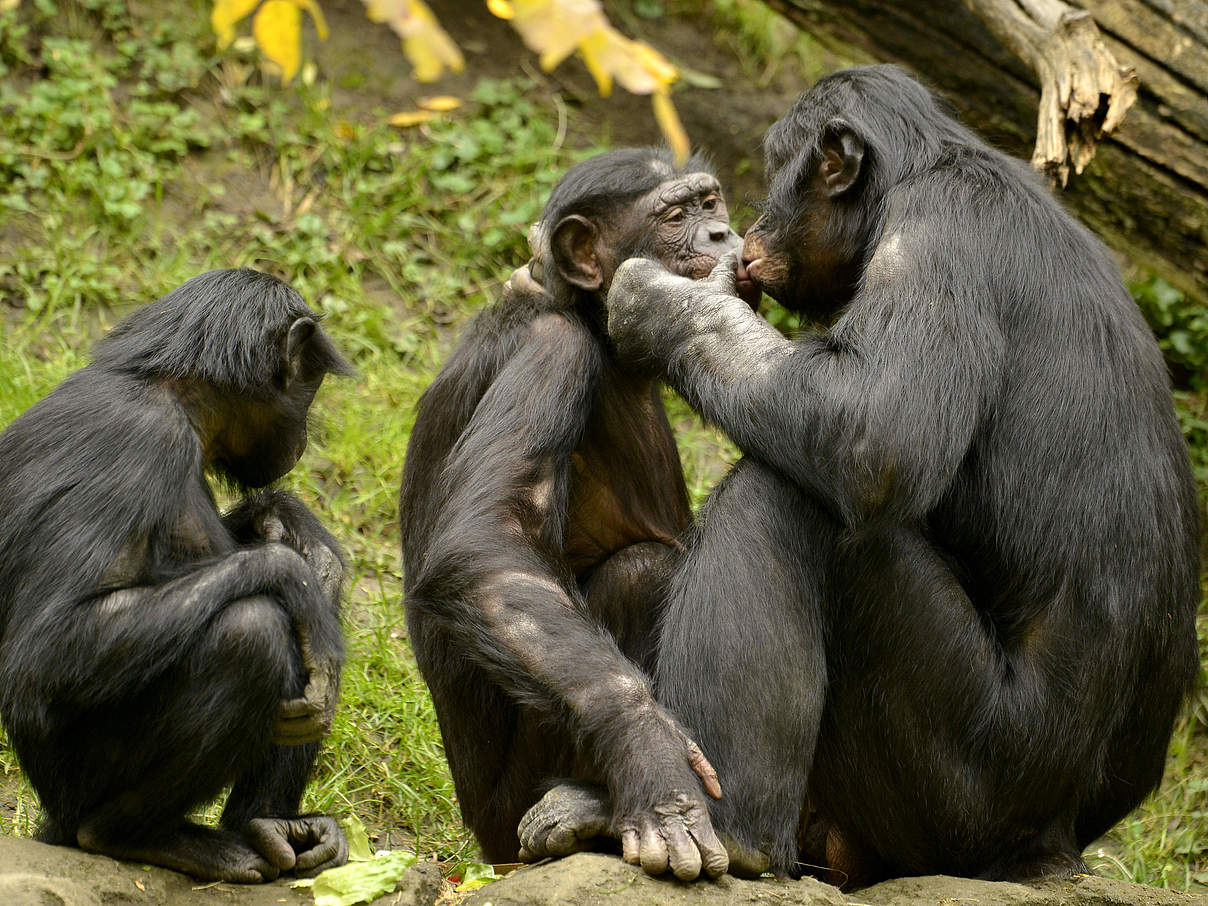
[[219, 327]]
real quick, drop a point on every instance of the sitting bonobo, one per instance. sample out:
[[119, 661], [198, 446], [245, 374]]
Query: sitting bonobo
[[153, 651], [940, 617], [541, 506]]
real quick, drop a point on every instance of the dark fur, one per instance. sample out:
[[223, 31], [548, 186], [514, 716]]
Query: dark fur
[[537, 677], [962, 542], [144, 650]]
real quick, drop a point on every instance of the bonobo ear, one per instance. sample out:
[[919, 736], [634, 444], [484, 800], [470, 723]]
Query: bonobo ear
[[296, 338], [842, 157], [573, 244]]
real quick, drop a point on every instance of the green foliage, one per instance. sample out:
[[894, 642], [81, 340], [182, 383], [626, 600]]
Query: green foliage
[[1181, 328]]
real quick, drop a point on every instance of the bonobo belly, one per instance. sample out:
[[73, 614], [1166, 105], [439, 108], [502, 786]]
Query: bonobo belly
[[624, 490]]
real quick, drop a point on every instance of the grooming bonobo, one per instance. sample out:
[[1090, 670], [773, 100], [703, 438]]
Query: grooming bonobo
[[153, 651], [541, 506], [941, 616]]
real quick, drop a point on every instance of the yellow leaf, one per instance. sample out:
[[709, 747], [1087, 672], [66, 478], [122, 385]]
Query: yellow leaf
[[440, 103], [277, 28], [411, 118], [315, 13], [501, 9], [593, 49], [225, 14], [425, 43], [555, 28], [669, 123]]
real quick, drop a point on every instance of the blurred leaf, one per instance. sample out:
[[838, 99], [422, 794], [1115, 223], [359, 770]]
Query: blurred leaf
[[224, 16], [441, 103], [555, 29], [277, 28], [361, 882], [411, 118], [669, 122], [501, 8], [425, 43]]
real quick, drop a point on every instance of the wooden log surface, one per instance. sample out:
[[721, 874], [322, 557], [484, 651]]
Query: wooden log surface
[[1146, 190]]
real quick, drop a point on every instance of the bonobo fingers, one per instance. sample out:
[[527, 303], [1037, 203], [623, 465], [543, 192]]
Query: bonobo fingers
[[306, 845], [675, 835], [564, 820], [309, 718], [724, 276], [702, 768]]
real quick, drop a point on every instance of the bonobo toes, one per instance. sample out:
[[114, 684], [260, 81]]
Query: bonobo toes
[[565, 820], [745, 861], [305, 845]]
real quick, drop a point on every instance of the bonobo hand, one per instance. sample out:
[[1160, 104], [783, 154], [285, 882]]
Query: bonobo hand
[[651, 310], [306, 845], [524, 282], [309, 718], [319, 557], [674, 830]]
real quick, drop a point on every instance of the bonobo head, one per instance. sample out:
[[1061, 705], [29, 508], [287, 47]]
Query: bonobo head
[[830, 162], [624, 204], [244, 355]]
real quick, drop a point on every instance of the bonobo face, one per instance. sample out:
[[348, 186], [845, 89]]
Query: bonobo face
[[683, 223], [265, 438], [808, 247]]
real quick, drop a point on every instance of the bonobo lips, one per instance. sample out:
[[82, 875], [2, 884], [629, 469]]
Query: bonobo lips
[[748, 282]]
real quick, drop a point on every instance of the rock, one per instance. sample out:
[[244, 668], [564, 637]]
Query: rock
[[593, 879], [34, 874]]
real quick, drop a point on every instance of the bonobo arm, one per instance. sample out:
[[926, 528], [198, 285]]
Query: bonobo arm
[[99, 634], [875, 415], [494, 582], [279, 517]]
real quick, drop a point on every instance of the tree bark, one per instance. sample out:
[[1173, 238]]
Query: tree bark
[[1146, 189]]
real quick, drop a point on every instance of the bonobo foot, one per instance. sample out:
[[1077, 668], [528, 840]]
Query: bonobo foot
[[203, 852], [565, 820], [305, 845]]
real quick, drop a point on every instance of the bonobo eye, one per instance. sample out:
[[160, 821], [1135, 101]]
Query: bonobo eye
[[675, 215], [710, 203]]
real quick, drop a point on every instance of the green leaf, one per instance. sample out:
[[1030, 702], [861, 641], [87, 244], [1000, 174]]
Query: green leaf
[[359, 848], [361, 882], [475, 875]]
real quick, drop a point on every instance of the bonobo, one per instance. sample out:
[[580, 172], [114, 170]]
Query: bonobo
[[153, 651], [943, 608], [541, 505]]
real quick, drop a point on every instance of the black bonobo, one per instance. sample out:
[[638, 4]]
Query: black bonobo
[[939, 618], [153, 651], [541, 506]]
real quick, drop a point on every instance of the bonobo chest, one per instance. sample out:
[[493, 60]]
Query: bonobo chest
[[626, 483]]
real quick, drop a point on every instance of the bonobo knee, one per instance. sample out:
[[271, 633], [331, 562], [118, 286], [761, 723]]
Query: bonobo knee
[[254, 637]]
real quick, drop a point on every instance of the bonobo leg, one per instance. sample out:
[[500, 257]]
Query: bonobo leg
[[204, 725], [944, 749], [627, 593], [742, 660]]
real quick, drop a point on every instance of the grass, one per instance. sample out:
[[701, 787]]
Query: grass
[[133, 157]]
